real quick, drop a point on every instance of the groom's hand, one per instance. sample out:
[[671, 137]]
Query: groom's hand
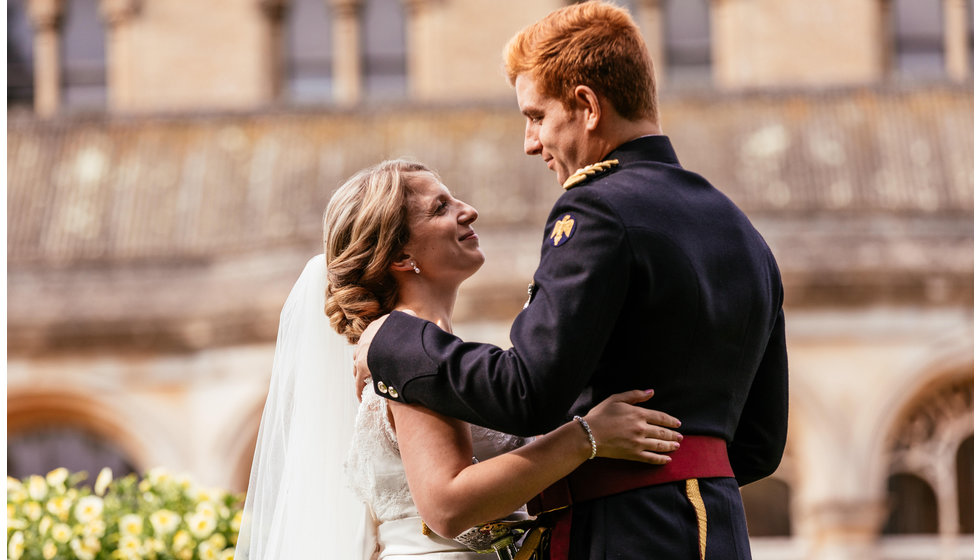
[[361, 371]]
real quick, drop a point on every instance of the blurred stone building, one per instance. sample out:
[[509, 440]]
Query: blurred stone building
[[169, 161]]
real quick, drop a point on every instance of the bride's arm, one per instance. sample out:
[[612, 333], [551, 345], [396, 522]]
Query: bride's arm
[[452, 494]]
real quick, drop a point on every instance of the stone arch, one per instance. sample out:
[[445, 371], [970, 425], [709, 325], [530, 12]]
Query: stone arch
[[102, 417], [951, 362], [926, 433]]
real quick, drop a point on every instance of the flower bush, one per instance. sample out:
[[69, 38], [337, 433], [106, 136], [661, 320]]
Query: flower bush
[[158, 517]]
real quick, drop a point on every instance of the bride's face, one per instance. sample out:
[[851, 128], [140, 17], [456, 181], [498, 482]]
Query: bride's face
[[442, 241]]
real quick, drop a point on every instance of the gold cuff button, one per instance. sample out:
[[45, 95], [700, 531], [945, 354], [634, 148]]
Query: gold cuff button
[[382, 387], [393, 392]]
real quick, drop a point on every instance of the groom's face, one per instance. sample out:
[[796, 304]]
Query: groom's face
[[551, 130]]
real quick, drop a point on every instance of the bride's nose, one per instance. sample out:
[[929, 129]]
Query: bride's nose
[[468, 214]]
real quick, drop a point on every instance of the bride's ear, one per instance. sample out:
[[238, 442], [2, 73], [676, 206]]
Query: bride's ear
[[403, 263]]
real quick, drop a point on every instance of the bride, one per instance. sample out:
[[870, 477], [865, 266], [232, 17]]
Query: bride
[[334, 478]]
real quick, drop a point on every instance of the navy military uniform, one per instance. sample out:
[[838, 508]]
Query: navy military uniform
[[649, 278]]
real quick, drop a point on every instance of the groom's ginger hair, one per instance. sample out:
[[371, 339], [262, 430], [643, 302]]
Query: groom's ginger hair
[[365, 227], [595, 44]]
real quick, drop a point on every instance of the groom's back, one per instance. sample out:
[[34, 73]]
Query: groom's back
[[703, 297]]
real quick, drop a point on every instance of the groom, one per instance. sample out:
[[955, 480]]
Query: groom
[[649, 278]]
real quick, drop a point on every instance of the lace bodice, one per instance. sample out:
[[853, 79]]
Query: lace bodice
[[375, 473], [374, 467]]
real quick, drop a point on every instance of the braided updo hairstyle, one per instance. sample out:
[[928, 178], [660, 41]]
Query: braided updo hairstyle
[[365, 227]]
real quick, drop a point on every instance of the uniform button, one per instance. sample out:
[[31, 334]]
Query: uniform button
[[382, 387], [393, 392]]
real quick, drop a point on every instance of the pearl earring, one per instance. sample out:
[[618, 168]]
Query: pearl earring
[[416, 268]]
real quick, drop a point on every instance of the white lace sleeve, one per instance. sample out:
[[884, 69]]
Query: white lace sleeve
[[374, 468]]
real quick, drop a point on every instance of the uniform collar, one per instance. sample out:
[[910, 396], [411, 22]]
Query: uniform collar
[[646, 148]]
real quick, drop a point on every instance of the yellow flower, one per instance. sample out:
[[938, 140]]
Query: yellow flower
[[144, 485], [153, 545], [59, 506], [45, 525], [103, 480], [130, 546], [182, 540], [218, 541], [15, 491], [131, 525], [88, 509], [158, 476], [227, 554], [94, 528], [236, 522], [201, 526], [206, 510], [207, 494], [82, 549], [206, 551], [49, 550], [164, 522], [15, 546], [33, 510], [37, 488], [57, 478], [61, 533], [185, 554]]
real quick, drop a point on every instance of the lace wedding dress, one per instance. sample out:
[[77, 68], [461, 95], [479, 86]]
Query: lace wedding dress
[[302, 500], [375, 472]]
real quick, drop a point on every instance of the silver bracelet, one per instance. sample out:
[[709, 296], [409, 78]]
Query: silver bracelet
[[588, 432]]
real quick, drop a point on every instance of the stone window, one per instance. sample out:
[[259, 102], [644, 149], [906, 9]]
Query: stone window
[[309, 55], [385, 74], [42, 447], [969, 35], [912, 506], [930, 483], [84, 68], [687, 42], [964, 485], [767, 509], [918, 39], [20, 55]]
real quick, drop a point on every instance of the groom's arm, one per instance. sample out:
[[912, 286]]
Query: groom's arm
[[760, 437], [580, 288]]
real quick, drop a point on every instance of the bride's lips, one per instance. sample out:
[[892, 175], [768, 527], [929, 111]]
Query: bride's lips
[[469, 235]]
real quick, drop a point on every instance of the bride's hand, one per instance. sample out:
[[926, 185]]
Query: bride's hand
[[624, 431]]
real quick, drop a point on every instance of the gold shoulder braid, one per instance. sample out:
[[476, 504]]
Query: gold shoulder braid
[[588, 171]]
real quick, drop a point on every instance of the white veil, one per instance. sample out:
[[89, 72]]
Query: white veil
[[298, 503]]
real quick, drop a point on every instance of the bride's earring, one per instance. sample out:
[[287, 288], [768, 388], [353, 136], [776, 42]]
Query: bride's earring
[[416, 268]]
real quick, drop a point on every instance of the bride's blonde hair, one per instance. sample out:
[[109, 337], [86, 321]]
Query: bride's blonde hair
[[365, 227]]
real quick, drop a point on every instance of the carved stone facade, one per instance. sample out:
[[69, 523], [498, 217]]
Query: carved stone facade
[[150, 249]]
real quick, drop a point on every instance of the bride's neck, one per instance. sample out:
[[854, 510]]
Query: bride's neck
[[429, 303]]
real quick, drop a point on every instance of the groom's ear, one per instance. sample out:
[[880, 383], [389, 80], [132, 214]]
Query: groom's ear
[[402, 264]]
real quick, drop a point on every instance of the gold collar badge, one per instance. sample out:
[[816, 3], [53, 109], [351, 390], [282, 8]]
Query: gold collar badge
[[588, 171]]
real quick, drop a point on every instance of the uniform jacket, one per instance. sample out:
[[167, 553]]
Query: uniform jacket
[[649, 278]]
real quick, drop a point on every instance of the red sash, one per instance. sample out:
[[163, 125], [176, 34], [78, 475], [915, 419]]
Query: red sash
[[697, 457]]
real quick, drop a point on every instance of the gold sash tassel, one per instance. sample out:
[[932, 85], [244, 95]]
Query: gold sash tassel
[[694, 496]]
